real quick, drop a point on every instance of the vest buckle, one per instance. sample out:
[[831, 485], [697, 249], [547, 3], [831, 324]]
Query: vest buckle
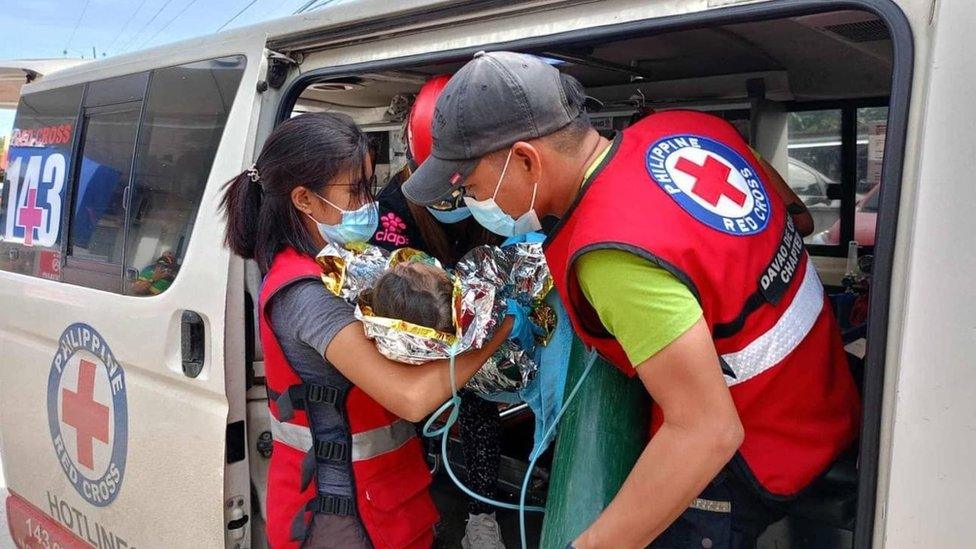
[[322, 393], [334, 505], [331, 451]]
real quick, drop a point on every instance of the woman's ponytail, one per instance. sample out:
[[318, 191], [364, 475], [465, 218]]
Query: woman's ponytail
[[242, 203], [309, 150]]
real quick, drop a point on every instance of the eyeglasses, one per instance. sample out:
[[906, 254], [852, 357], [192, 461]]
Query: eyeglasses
[[453, 202], [365, 183]]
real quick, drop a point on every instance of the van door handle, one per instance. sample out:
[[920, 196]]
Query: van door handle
[[193, 343]]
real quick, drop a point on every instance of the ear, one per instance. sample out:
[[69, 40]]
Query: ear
[[526, 158], [301, 198]]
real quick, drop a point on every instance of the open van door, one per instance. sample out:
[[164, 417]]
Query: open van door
[[122, 334], [15, 73]]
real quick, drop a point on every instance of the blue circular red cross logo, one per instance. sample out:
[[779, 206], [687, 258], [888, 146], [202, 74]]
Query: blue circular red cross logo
[[86, 410], [710, 181]]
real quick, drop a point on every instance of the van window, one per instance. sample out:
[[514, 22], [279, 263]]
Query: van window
[[98, 216], [835, 164], [146, 146], [38, 169], [110, 121], [186, 109], [815, 163], [872, 125]]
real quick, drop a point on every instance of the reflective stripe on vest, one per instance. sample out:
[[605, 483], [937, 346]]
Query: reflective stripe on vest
[[365, 445], [382, 440], [770, 348], [298, 437]]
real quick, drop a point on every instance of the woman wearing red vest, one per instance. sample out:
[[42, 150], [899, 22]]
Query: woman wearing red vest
[[346, 471], [679, 264], [447, 233]]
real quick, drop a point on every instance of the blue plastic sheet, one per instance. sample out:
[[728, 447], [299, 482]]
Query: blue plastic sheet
[[545, 393]]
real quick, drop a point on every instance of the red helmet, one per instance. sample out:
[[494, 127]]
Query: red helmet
[[422, 115]]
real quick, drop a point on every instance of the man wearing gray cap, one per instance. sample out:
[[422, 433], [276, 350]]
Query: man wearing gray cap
[[678, 265]]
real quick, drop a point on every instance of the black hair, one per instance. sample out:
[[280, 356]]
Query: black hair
[[567, 139], [309, 150], [418, 295]]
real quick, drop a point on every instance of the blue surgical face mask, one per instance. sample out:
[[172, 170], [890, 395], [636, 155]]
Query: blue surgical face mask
[[450, 217], [356, 226], [490, 215]]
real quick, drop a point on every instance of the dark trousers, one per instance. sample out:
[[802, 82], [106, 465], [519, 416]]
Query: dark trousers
[[336, 532], [727, 515], [480, 442]]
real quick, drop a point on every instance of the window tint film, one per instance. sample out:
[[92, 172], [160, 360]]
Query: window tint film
[[36, 175], [98, 218], [872, 125], [186, 110], [815, 165]]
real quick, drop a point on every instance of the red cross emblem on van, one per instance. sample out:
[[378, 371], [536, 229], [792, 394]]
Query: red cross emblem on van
[[89, 418], [88, 414]]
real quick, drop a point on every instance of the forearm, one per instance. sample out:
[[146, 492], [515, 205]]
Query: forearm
[[673, 469], [409, 391], [430, 385]]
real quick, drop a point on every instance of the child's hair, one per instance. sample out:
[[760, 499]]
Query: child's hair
[[416, 293]]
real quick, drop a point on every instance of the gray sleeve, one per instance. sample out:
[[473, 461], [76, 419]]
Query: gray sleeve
[[306, 312]]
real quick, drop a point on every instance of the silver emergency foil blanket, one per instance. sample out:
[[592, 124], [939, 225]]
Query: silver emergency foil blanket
[[347, 271], [483, 279]]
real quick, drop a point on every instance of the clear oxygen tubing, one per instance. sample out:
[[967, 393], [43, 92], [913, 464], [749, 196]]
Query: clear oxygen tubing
[[453, 404]]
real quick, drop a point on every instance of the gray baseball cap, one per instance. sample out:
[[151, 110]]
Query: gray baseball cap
[[495, 100]]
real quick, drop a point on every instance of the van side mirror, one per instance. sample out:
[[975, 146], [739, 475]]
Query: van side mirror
[[834, 191]]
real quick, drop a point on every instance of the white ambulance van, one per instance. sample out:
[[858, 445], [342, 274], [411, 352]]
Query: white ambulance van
[[132, 404]]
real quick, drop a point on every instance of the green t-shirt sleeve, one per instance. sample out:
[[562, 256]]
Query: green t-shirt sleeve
[[644, 306]]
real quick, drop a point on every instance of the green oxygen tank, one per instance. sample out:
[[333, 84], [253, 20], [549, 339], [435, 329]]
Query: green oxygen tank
[[600, 438]]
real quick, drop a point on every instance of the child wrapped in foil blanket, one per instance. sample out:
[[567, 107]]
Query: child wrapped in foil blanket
[[416, 311]]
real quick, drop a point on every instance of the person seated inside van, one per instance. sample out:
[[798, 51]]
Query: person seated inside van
[[156, 277]]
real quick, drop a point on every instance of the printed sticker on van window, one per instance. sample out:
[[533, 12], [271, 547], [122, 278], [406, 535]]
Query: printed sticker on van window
[[711, 182], [36, 173], [87, 413]]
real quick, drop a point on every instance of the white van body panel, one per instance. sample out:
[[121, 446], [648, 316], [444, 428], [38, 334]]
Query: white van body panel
[[174, 479], [930, 485]]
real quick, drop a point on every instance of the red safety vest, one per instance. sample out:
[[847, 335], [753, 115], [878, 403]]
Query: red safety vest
[[387, 465], [682, 189]]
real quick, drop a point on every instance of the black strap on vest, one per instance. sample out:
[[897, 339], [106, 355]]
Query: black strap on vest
[[333, 505], [327, 505], [729, 329], [296, 396], [773, 282]]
